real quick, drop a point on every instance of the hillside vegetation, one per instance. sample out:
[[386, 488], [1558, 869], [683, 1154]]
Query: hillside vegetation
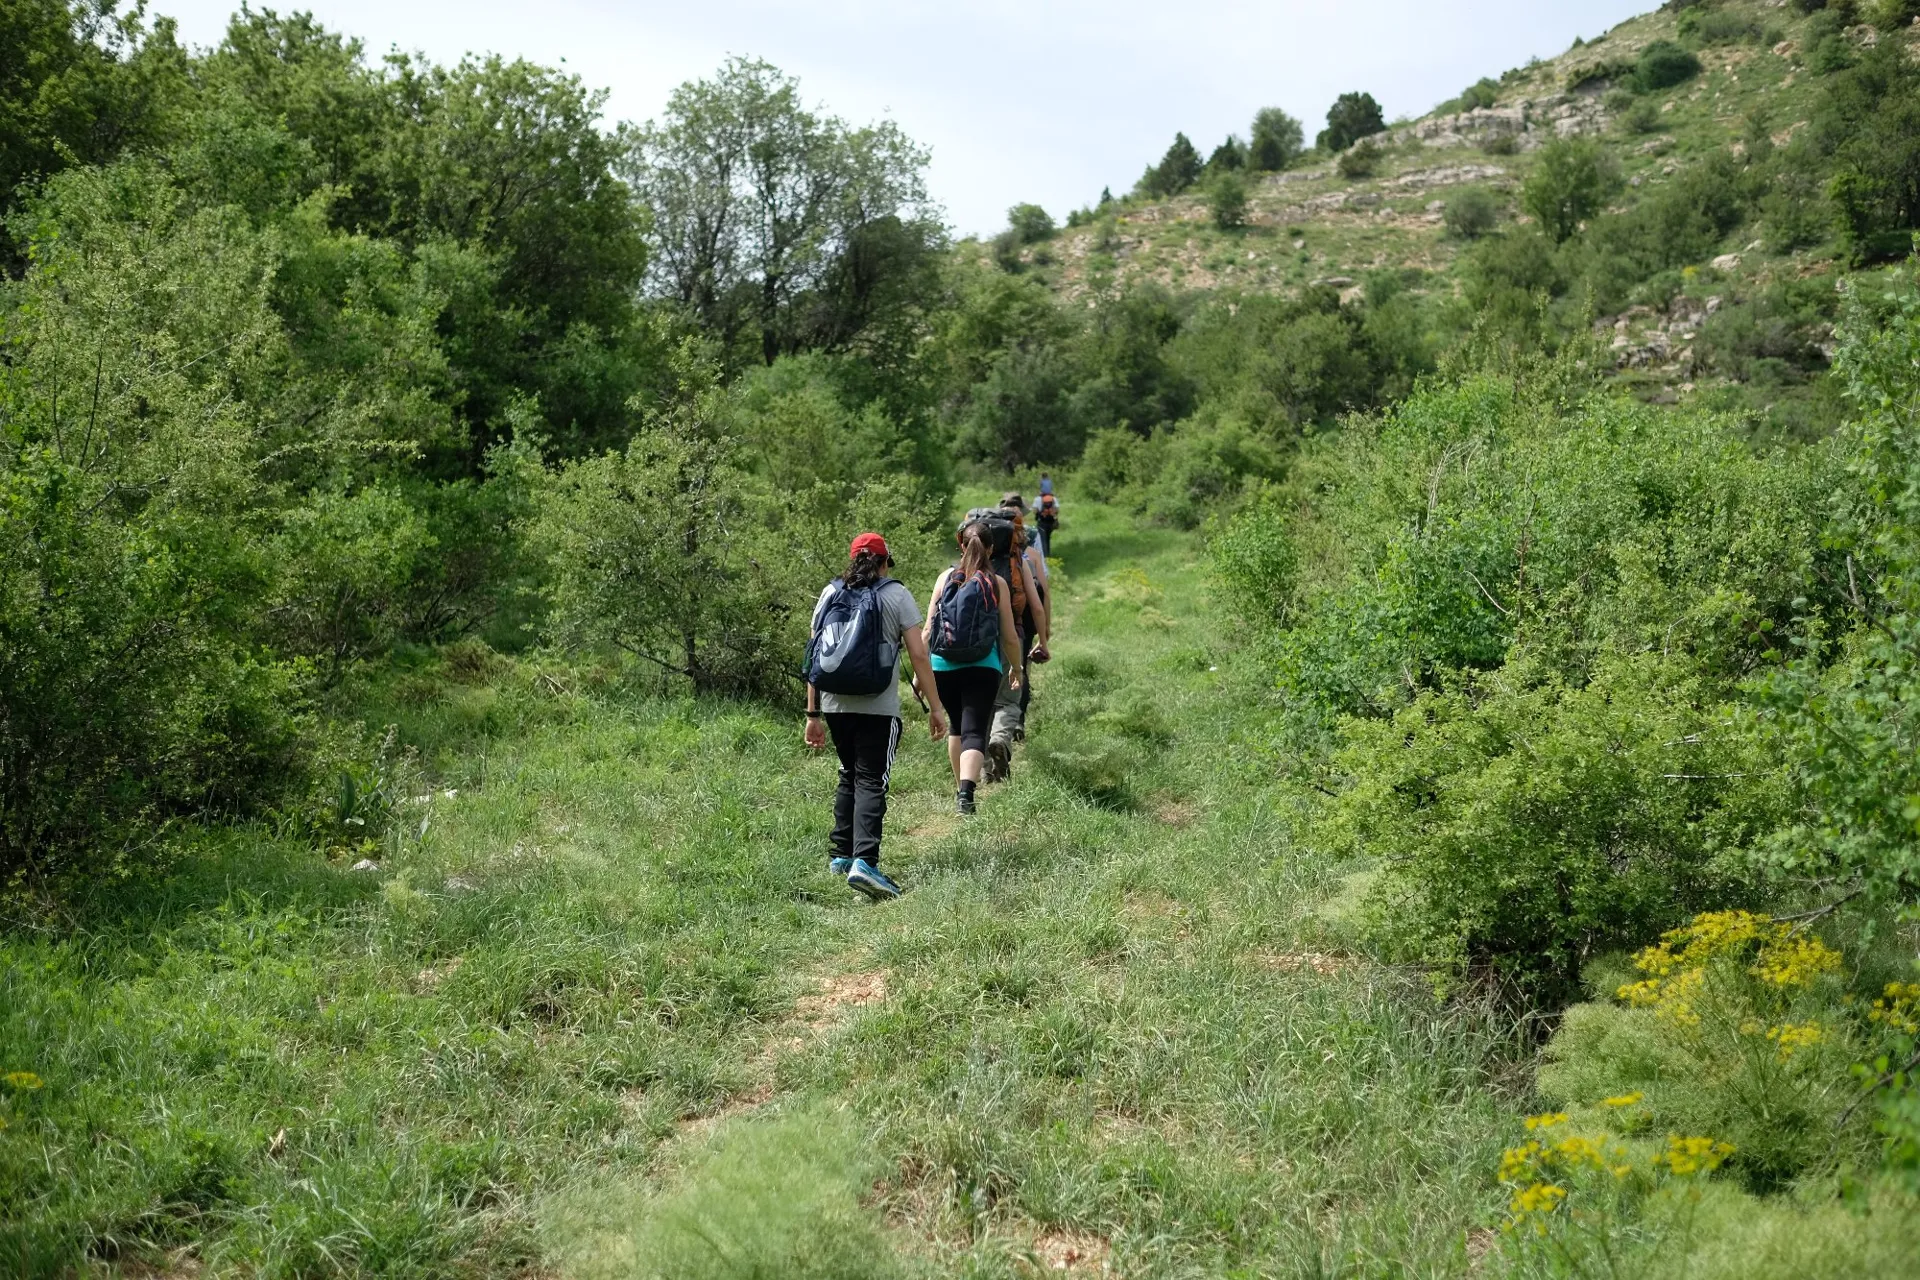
[[1468, 827]]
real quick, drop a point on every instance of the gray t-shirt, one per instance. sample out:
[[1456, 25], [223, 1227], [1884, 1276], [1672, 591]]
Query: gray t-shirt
[[898, 612]]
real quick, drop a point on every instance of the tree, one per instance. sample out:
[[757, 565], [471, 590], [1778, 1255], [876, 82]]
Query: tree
[[1231, 154], [1571, 181], [1177, 170], [755, 200], [1030, 223], [1277, 140], [1352, 117], [79, 84], [1227, 197]]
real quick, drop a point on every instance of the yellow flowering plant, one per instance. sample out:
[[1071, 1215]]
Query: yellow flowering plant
[[1587, 1203], [1749, 1009]]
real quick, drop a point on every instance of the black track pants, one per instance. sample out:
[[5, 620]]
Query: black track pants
[[866, 745]]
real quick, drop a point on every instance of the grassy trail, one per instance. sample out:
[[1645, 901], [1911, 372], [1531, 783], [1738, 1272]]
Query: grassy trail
[[608, 1016]]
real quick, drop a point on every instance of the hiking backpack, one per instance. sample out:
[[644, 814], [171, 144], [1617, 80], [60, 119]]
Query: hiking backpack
[[1004, 543], [966, 619], [849, 653], [1048, 516]]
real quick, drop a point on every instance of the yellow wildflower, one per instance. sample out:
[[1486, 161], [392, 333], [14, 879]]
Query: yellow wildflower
[[23, 1080], [1517, 1163], [1541, 1197], [1624, 1099], [1899, 1009], [1794, 960], [1547, 1120], [1687, 1156], [1791, 1037], [1576, 1150]]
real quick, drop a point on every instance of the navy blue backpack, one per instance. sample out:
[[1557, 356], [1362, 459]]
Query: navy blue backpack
[[966, 619], [850, 653]]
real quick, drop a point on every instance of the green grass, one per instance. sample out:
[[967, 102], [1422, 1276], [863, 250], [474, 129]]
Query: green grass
[[608, 952], [608, 1016]]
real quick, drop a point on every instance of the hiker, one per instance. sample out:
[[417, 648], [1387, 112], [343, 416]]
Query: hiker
[[1034, 623], [853, 686], [971, 635], [1046, 515]]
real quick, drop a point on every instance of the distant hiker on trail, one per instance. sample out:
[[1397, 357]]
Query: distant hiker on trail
[[1035, 625], [971, 635], [1046, 515], [853, 683]]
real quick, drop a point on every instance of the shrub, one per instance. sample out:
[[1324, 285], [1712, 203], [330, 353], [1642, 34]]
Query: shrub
[[1360, 161], [1663, 64], [1352, 117], [1202, 467], [1231, 154], [1642, 115], [1844, 710], [1227, 198], [1571, 181], [1527, 826], [1501, 144], [1471, 213], [1276, 141]]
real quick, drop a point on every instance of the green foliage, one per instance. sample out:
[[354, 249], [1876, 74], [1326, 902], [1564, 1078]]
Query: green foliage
[[1866, 127], [1179, 169], [1353, 116], [1572, 180], [1471, 213], [779, 229], [82, 85], [1842, 709], [1227, 199], [1277, 141], [1477, 96], [1362, 160], [1528, 825], [1662, 65], [1030, 223], [1229, 155]]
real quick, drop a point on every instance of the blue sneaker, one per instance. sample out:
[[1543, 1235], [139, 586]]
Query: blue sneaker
[[839, 867], [869, 880]]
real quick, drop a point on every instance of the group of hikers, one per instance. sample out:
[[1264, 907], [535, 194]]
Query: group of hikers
[[988, 622]]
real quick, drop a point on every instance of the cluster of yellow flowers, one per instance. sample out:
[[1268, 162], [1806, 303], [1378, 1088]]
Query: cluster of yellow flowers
[[1538, 1168], [1676, 966], [1899, 1009], [22, 1080], [1793, 1037], [1687, 1156]]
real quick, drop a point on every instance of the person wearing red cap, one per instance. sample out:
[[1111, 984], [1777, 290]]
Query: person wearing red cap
[[865, 727]]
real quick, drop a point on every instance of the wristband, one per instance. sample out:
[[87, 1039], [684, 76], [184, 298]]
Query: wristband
[[813, 715]]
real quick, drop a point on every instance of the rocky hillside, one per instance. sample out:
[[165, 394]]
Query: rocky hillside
[[1313, 225]]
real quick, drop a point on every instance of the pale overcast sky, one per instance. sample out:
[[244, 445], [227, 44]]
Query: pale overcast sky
[[1047, 100]]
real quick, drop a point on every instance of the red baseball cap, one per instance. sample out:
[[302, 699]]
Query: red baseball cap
[[870, 542]]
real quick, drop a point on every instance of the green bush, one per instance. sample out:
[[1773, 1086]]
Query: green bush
[[1523, 826], [1359, 161], [1227, 198], [1663, 64], [1472, 213]]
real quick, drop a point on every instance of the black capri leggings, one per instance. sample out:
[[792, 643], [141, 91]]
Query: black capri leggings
[[968, 695]]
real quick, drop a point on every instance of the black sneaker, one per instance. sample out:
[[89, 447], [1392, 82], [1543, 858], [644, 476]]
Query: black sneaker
[[964, 803]]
